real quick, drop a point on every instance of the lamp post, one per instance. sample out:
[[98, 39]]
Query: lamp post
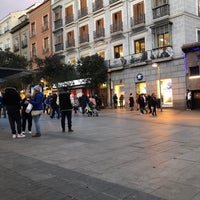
[[155, 65]]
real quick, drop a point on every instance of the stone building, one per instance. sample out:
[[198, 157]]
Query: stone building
[[131, 36]]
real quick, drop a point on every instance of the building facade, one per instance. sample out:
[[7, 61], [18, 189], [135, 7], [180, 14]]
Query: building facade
[[131, 35], [40, 29]]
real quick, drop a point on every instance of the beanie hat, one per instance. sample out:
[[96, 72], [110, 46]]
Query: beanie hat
[[37, 87]]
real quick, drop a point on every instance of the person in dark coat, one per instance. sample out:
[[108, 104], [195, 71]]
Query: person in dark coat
[[154, 104], [54, 106], [131, 102], [142, 104], [12, 100], [115, 100], [65, 109], [84, 100], [26, 117]]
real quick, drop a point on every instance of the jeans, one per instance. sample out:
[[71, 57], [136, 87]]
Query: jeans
[[37, 123], [15, 117]]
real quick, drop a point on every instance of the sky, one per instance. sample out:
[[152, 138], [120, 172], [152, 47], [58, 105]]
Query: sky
[[7, 6]]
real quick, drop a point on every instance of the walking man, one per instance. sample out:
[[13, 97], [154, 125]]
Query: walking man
[[65, 109]]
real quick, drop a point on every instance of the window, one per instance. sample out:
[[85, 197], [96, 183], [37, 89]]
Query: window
[[139, 46], [69, 14], [117, 21], [102, 54], [33, 29], [46, 45], [84, 36], [162, 36], [198, 35], [70, 39], [138, 13], [118, 51], [58, 13], [194, 71], [100, 28], [199, 8], [33, 50], [83, 4], [160, 8], [58, 37], [160, 2], [45, 23]]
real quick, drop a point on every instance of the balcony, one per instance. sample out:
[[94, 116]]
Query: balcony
[[58, 23], [45, 27], [58, 47], [45, 50], [161, 53], [69, 19], [24, 43], [116, 27], [97, 5], [139, 58], [137, 20], [99, 33], [161, 11], [84, 38], [16, 48], [82, 12], [70, 43], [32, 34], [112, 1]]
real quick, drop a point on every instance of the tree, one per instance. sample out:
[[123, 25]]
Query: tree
[[93, 69], [55, 70], [11, 60]]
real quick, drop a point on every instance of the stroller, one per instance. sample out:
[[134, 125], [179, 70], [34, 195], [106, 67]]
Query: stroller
[[91, 110]]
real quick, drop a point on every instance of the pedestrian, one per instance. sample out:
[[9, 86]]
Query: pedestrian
[[148, 99], [36, 101], [54, 107], [76, 104], [26, 116], [188, 99], [141, 103], [2, 106], [131, 102], [65, 108], [154, 104], [84, 100], [11, 100], [121, 101], [115, 100]]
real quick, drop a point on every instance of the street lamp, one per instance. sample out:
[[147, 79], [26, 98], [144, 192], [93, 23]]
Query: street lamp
[[155, 65]]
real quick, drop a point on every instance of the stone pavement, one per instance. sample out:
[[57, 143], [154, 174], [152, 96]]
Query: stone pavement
[[120, 155]]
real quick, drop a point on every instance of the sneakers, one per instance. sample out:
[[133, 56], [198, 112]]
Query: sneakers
[[14, 136], [37, 135], [21, 135], [70, 130], [30, 132]]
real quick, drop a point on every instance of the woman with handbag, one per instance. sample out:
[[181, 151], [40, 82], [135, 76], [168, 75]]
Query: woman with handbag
[[36, 101]]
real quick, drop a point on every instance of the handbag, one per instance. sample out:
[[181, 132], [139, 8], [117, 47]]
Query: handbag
[[36, 112], [29, 108]]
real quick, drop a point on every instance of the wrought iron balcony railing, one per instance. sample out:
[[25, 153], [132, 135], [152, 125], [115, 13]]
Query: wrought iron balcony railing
[[97, 5], [69, 19], [58, 23], [99, 33], [58, 47], [116, 27], [161, 52], [112, 1], [161, 11], [137, 20], [82, 12], [84, 38], [70, 43]]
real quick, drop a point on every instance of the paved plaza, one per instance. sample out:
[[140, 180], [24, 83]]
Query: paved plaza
[[120, 155]]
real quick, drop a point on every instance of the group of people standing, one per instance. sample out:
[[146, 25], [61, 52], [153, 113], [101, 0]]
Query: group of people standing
[[143, 102], [19, 115]]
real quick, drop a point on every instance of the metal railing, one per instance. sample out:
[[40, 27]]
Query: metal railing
[[70, 43], [58, 46], [99, 33], [82, 12], [84, 38], [97, 5], [58, 23], [116, 27], [136, 20], [161, 11]]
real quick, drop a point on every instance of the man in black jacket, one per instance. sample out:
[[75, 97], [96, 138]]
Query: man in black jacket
[[12, 100], [65, 109]]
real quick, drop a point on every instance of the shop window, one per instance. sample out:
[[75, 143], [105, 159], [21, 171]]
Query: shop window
[[118, 51]]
